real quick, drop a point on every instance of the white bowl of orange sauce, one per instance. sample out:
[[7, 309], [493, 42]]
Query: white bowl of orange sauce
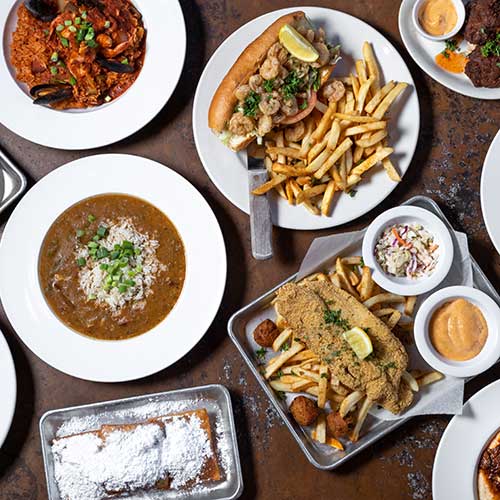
[[438, 19], [457, 331]]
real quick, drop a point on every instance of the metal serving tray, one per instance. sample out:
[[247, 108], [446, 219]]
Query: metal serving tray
[[214, 398], [321, 456], [12, 181]]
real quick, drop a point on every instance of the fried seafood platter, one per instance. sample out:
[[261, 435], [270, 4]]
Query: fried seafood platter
[[340, 341], [77, 53]]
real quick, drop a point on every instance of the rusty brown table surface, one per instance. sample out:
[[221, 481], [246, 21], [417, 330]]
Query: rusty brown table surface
[[455, 135]]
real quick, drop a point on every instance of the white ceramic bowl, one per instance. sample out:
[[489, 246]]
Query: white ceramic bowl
[[460, 8], [490, 353], [409, 215]]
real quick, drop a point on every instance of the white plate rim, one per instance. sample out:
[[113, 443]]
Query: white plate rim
[[9, 391], [111, 122], [436, 226], [201, 129], [488, 170], [197, 226], [475, 434], [439, 75]]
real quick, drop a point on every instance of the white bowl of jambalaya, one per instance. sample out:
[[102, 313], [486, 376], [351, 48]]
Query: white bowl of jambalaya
[[457, 331]]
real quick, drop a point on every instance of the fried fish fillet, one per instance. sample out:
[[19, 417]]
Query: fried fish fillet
[[319, 313]]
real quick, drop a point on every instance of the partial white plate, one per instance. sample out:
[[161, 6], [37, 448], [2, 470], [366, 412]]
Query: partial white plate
[[424, 51], [106, 124], [454, 474], [490, 201], [8, 389], [228, 170], [112, 361]]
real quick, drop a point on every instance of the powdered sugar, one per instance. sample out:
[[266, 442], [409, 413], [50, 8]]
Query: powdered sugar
[[147, 407]]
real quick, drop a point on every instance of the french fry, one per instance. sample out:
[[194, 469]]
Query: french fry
[[384, 298], [296, 191], [289, 192], [280, 360], [333, 138], [355, 86], [320, 430], [360, 418], [393, 319], [352, 261], [280, 143], [371, 161], [326, 202], [373, 140], [344, 278], [355, 118], [349, 403], [410, 305], [302, 385], [366, 127], [279, 386], [283, 337], [310, 193], [391, 170], [361, 71], [389, 99], [317, 148], [334, 278], [322, 385], [353, 277], [319, 160], [333, 158], [377, 98], [429, 378], [358, 154], [363, 92], [334, 443], [386, 311], [410, 380], [291, 171], [372, 66], [285, 151], [324, 124], [267, 186]]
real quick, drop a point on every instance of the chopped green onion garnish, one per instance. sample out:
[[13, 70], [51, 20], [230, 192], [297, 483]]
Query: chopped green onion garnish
[[80, 233], [64, 41], [59, 27], [103, 267], [54, 57], [72, 80], [72, 29], [107, 24], [91, 43], [92, 244], [127, 244], [78, 20], [129, 282], [101, 231], [124, 60], [122, 288], [53, 70], [96, 238], [92, 296], [84, 14], [91, 218], [68, 22], [80, 261], [107, 98]]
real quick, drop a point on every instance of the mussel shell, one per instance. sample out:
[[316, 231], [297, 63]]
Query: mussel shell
[[42, 9], [115, 66], [51, 93]]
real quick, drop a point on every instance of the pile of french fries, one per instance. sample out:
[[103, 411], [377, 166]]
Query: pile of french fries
[[297, 369], [342, 142]]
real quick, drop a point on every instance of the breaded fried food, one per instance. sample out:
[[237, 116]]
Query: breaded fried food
[[304, 410], [266, 333], [319, 313]]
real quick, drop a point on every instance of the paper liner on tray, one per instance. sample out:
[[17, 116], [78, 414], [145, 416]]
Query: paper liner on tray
[[443, 397]]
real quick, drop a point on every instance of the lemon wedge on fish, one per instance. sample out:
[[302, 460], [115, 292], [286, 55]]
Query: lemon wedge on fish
[[359, 341], [296, 44]]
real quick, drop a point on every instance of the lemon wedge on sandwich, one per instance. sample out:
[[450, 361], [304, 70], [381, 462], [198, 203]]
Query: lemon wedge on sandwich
[[359, 341], [296, 44]]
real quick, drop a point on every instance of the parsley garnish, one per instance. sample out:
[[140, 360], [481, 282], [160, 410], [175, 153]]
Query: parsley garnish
[[304, 104], [491, 47], [333, 316], [292, 85], [281, 395], [268, 85], [251, 102], [324, 375], [315, 79], [285, 347], [450, 46], [261, 354], [352, 193], [362, 262], [391, 364]]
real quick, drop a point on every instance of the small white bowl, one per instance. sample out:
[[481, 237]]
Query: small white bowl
[[409, 215], [490, 353], [460, 8]]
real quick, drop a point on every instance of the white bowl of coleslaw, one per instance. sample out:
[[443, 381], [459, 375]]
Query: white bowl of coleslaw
[[409, 249]]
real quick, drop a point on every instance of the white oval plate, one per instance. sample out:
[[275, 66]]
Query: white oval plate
[[103, 125], [424, 51], [490, 201], [112, 361], [454, 474], [228, 171], [8, 389]]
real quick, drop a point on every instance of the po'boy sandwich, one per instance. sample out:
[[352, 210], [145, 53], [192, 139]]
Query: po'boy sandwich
[[274, 82]]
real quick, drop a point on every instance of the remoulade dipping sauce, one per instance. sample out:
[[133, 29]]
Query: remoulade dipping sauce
[[458, 330], [437, 17]]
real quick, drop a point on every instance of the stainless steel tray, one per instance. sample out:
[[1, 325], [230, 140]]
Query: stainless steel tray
[[316, 454], [214, 398], [12, 181]]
